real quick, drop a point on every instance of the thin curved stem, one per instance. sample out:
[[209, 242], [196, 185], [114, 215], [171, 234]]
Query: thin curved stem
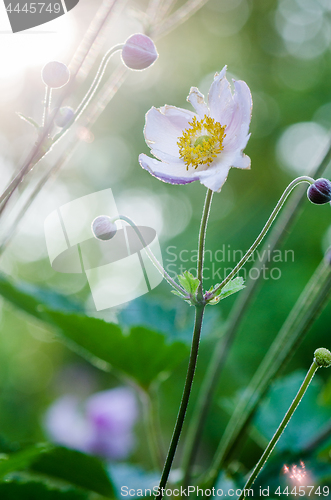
[[202, 237], [199, 310], [150, 254], [91, 91], [219, 356], [307, 308], [311, 372], [264, 231]]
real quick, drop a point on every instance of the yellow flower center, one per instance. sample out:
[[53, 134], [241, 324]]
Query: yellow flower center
[[201, 142]]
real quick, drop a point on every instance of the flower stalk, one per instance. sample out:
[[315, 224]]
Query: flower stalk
[[309, 305], [274, 240], [199, 312], [295, 403], [262, 234]]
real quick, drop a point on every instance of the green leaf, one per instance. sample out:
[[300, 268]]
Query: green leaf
[[308, 420], [143, 354], [233, 286], [76, 468], [29, 120], [189, 282], [21, 459], [34, 300], [32, 490]]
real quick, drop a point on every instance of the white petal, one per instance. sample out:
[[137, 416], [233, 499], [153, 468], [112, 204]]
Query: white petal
[[214, 177], [198, 102], [242, 161], [238, 126], [220, 99], [164, 126], [173, 173]]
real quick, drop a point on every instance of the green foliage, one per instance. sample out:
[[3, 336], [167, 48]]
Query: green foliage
[[308, 420], [19, 490], [74, 467], [142, 354], [21, 459], [189, 282], [233, 286]]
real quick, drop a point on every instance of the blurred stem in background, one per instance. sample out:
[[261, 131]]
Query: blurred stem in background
[[104, 96], [217, 362], [37, 151], [309, 305]]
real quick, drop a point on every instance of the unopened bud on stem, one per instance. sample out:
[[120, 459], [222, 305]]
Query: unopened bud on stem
[[103, 228], [323, 357], [320, 192], [55, 74], [139, 52], [64, 116]]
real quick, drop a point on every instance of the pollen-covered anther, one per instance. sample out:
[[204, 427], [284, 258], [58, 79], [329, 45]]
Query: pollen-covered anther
[[201, 142]]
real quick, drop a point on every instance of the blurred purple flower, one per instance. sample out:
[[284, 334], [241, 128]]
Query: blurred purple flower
[[102, 425]]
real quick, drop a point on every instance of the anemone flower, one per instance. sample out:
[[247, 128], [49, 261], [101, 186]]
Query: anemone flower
[[200, 146]]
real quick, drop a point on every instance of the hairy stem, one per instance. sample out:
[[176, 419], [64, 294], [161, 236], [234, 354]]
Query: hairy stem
[[199, 310], [264, 231], [202, 237], [311, 372], [219, 356], [309, 305]]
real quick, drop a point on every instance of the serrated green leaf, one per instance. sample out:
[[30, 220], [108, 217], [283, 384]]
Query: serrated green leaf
[[76, 468], [21, 459], [189, 282], [233, 286], [29, 120], [143, 354], [32, 490]]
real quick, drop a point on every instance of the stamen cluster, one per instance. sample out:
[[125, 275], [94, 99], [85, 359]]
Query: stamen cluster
[[201, 142]]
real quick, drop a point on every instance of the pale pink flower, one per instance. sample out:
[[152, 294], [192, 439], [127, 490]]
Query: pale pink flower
[[203, 145]]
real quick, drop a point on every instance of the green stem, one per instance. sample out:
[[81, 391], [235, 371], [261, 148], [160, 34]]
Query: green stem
[[280, 230], [264, 231], [202, 237], [311, 372], [308, 307], [199, 310]]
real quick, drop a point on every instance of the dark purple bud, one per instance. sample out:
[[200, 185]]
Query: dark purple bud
[[103, 228], [55, 74], [320, 192], [64, 116]]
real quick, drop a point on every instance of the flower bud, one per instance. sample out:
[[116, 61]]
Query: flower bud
[[64, 116], [139, 52], [55, 74], [103, 228], [322, 357], [320, 191]]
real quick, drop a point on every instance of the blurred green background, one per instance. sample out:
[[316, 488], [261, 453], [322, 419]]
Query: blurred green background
[[282, 49]]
